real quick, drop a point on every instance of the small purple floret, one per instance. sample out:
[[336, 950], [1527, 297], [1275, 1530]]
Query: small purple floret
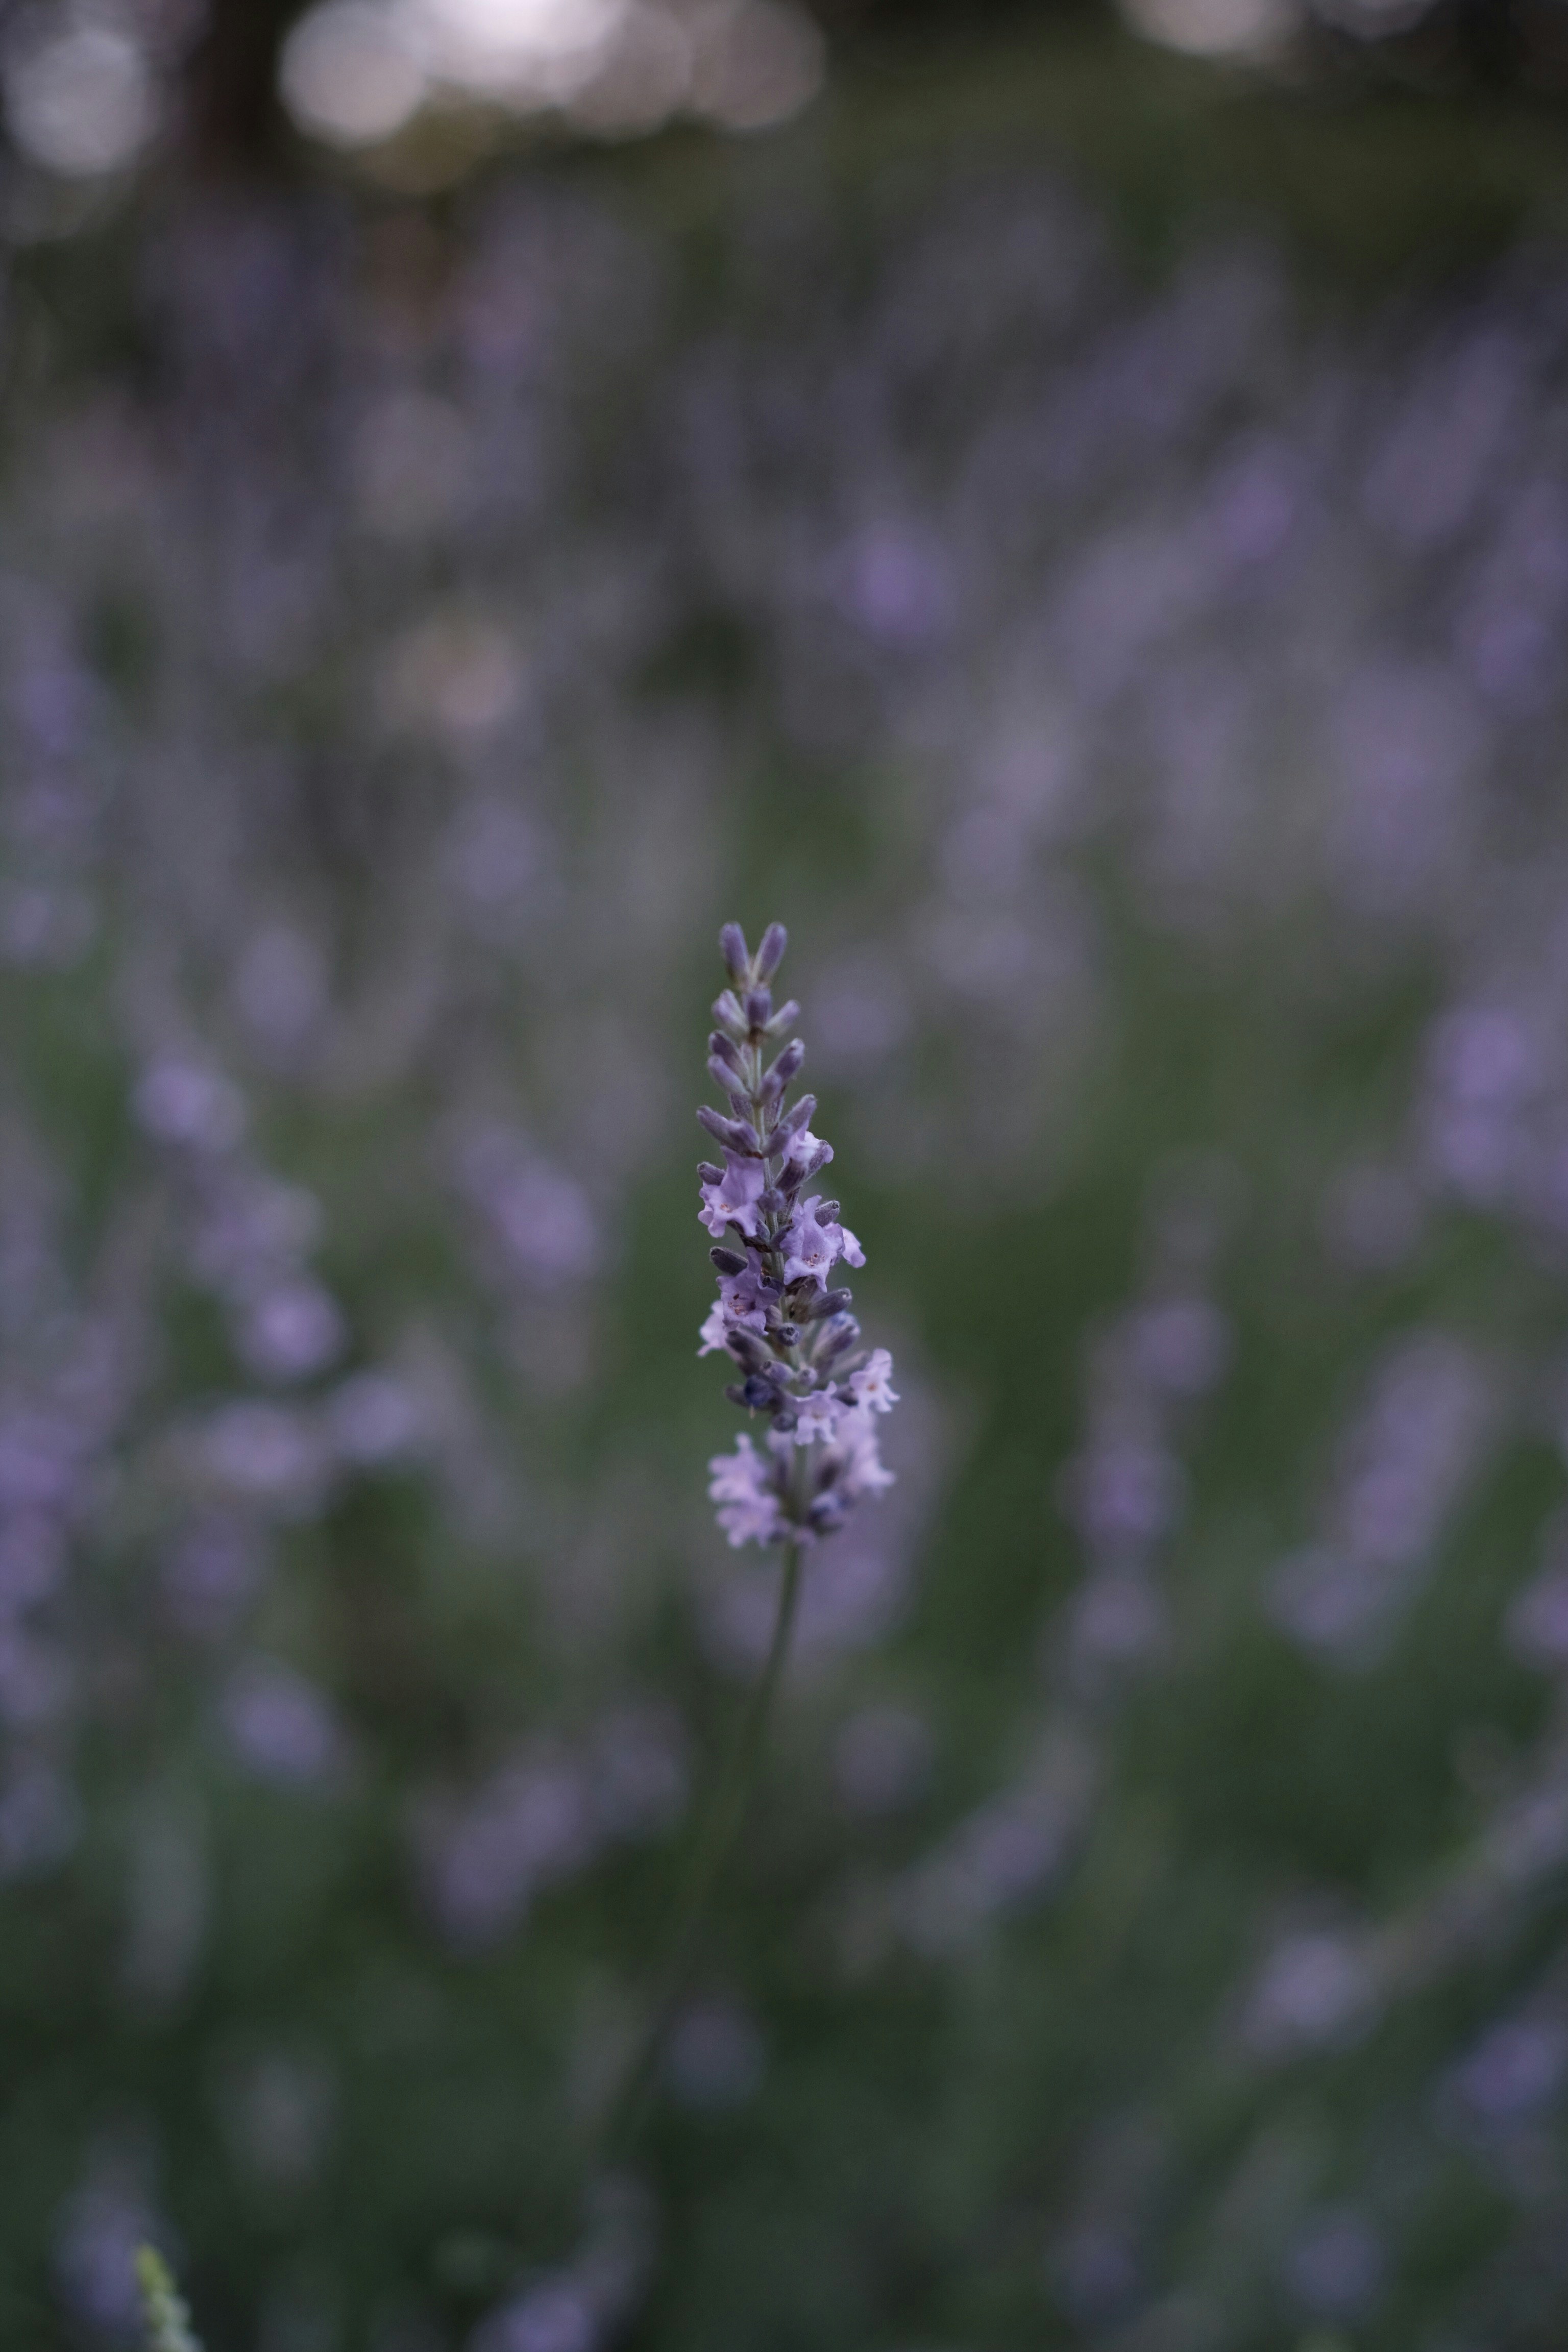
[[733, 1201]]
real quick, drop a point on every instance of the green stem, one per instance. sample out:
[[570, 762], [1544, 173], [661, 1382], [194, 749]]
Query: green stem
[[731, 1802]]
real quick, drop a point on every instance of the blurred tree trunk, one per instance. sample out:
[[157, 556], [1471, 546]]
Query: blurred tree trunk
[[236, 122], [1490, 41]]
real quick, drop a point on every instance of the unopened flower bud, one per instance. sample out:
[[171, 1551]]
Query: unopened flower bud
[[781, 1019], [727, 1011], [724, 1076], [786, 1335], [748, 1350], [770, 955], [735, 1394], [708, 1173], [759, 1007], [728, 1261], [786, 1064], [840, 1335], [760, 1395], [735, 950], [728, 1053], [784, 1423], [736, 1133], [825, 1303], [797, 1116]]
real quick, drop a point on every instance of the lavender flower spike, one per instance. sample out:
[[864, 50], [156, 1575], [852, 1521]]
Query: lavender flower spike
[[777, 1316], [792, 1337]]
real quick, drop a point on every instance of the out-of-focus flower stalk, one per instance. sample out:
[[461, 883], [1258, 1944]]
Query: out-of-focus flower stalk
[[168, 2323]]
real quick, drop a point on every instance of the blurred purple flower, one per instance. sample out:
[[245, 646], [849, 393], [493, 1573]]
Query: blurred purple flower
[[280, 1727]]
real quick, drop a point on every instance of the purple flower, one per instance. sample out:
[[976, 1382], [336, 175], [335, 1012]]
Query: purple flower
[[812, 1242], [733, 1199], [807, 1149], [746, 1297], [871, 1387], [741, 1305], [864, 1471], [736, 1477], [790, 1337], [743, 1485], [818, 1417], [280, 1727]]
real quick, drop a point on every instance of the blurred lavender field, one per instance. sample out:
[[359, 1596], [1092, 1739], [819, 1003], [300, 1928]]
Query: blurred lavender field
[[1138, 685]]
